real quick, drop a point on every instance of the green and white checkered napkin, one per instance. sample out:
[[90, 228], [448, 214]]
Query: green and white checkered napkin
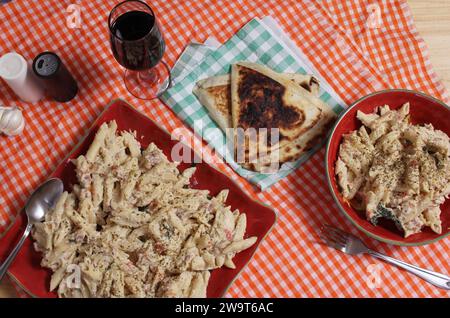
[[255, 42]]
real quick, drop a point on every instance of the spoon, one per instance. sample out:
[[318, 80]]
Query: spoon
[[40, 202]]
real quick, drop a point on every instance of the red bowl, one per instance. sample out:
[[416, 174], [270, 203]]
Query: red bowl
[[423, 109]]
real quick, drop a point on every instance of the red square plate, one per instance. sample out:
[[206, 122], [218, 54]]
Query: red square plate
[[35, 280]]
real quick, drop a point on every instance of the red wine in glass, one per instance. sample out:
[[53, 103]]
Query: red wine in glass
[[138, 45]]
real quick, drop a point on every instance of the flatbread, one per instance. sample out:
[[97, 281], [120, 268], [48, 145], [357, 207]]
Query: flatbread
[[214, 93], [308, 82], [290, 152], [262, 98]]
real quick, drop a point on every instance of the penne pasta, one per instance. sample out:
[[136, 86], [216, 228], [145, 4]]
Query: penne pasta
[[398, 171], [132, 227]]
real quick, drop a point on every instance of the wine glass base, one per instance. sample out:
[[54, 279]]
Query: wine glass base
[[148, 84]]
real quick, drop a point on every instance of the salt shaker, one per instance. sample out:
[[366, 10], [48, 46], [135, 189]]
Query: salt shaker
[[56, 78], [16, 72]]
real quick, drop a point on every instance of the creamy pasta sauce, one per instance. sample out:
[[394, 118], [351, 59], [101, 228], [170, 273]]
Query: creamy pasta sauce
[[132, 227], [395, 170]]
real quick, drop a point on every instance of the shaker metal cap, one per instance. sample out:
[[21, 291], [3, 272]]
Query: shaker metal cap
[[46, 64]]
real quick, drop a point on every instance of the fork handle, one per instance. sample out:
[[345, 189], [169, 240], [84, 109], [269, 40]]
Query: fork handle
[[437, 279]]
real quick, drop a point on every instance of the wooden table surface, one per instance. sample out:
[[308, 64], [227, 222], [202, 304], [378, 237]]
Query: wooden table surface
[[433, 22]]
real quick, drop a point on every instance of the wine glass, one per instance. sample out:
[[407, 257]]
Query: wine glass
[[138, 45]]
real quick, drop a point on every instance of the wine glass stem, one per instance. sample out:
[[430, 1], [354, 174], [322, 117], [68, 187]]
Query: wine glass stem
[[147, 77]]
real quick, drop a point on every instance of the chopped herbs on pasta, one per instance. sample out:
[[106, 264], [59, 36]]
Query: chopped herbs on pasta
[[395, 170]]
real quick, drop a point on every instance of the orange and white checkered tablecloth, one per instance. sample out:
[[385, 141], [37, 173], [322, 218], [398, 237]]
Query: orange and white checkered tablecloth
[[353, 58]]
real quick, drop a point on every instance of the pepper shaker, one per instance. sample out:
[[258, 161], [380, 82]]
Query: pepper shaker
[[56, 78]]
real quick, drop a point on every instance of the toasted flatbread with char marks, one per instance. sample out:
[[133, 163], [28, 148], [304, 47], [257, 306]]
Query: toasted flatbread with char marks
[[262, 98], [214, 93], [290, 152]]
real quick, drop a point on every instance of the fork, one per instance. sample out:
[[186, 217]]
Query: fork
[[350, 244]]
